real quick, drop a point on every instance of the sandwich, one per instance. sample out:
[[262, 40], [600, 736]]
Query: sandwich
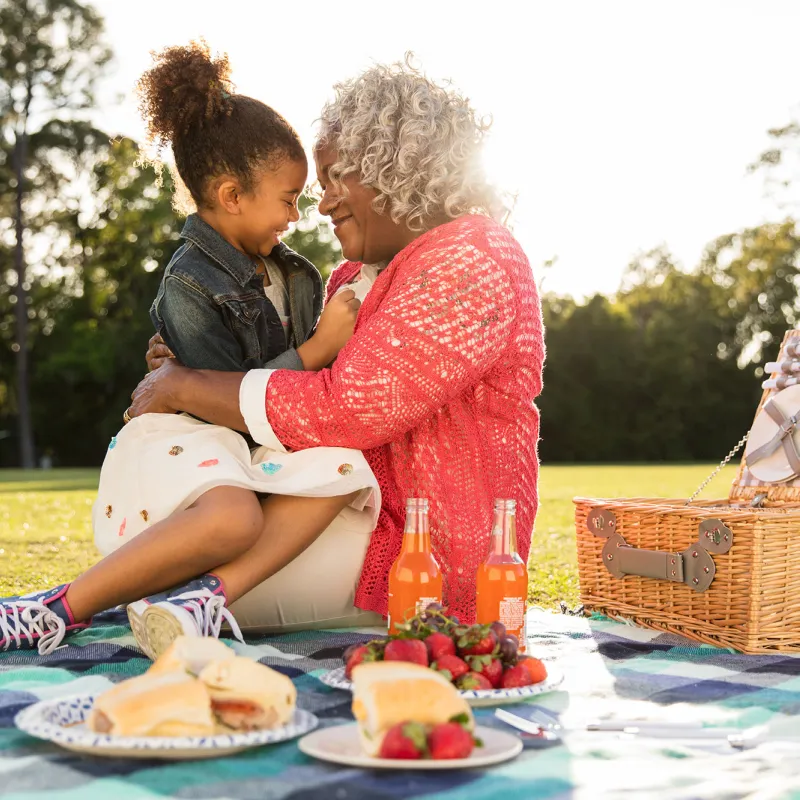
[[160, 704], [388, 693], [191, 654], [246, 695], [197, 687]]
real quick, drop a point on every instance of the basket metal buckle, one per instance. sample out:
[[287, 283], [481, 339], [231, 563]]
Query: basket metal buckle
[[694, 566]]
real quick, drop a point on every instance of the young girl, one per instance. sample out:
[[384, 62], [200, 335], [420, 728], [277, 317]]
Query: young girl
[[178, 497]]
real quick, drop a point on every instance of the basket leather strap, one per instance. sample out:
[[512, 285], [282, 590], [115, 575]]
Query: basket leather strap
[[784, 437]]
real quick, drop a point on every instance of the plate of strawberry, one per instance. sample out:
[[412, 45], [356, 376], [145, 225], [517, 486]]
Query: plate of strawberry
[[482, 661], [409, 717], [413, 746]]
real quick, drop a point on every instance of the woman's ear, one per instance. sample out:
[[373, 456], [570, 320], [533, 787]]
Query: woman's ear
[[229, 194]]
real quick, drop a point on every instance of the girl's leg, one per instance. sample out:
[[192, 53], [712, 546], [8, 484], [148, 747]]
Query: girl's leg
[[221, 525], [317, 589], [290, 525]]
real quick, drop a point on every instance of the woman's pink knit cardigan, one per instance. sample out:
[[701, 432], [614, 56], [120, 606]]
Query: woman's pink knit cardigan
[[437, 387]]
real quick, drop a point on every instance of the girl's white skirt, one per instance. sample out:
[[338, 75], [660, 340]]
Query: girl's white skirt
[[161, 463]]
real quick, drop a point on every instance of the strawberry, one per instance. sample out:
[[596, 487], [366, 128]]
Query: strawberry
[[488, 666], [450, 740], [452, 667], [440, 644], [473, 680], [405, 740], [362, 653], [515, 677], [536, 669], [477, 640], [357, 656], [412, 650]]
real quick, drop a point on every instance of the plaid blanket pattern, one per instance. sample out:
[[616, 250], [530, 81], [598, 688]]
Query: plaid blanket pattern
[[610, 669]]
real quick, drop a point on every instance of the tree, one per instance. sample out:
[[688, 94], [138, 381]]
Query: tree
[[759, 272], [779, 165], [650, 375], [314, 239], [51, 53], [111, 266]]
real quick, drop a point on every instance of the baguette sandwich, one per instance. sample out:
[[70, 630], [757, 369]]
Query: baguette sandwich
[[161, 704], [246, 695], [387, 693], [198, 687], [191, 655]]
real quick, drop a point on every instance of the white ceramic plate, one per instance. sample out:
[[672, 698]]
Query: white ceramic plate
[[340, 745], [475, 697], [62, 722]]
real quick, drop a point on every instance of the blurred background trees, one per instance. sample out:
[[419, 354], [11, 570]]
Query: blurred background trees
[[665, 369]]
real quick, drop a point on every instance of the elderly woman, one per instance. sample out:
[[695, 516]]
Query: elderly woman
[[437, 384]]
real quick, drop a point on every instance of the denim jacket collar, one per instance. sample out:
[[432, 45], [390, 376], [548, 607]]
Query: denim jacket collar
[[233, 261]]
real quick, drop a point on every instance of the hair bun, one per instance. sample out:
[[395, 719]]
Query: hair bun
[[185, 87]]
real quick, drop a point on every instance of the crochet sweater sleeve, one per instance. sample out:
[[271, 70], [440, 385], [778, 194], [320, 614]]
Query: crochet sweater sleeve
[[427, 331]]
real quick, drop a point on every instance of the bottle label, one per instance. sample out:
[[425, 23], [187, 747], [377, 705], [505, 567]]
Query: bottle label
[[512, 613], [424, 602]]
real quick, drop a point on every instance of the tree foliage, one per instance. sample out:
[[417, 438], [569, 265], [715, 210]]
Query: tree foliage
[[665, 369], [51, 53]]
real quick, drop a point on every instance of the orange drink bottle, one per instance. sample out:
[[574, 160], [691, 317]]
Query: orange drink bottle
[[415, 579], [502, 580]]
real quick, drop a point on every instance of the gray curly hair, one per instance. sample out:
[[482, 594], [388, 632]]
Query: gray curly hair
[[416, 143]]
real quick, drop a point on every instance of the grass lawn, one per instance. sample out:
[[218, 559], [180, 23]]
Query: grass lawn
[[46, 531]]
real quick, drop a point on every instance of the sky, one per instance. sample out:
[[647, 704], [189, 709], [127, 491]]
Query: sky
[[621, 125]]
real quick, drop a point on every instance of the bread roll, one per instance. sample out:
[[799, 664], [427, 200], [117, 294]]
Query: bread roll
[[386, 693], [191, 654], [246, 695], [160, 704]]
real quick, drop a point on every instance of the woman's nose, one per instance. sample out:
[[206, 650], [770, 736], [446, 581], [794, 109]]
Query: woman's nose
[[327, 203]]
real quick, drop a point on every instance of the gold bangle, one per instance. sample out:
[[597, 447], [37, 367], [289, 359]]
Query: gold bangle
[[126, 417]]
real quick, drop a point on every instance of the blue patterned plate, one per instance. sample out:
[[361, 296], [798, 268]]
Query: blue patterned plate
[[62, 722], [475, 697]]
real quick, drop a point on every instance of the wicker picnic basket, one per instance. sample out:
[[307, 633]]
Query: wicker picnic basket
[[725, 572]]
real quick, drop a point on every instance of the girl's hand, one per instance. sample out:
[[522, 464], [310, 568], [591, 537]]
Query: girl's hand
[[158, 353], [157, 392], [334, 330]]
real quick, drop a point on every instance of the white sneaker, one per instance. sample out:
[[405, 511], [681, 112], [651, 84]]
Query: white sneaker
[[195, 609]]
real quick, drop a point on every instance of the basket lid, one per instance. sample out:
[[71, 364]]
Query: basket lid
[[770, 467]]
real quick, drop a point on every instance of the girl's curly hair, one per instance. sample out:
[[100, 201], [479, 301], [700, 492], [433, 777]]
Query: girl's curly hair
[[416, 143], [188, 101]]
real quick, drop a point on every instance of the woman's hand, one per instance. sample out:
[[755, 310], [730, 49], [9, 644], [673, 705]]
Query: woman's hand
[[158, 353], [158, 390], [334, 330]]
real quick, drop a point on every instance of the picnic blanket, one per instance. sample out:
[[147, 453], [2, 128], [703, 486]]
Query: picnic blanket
[[610, 669]]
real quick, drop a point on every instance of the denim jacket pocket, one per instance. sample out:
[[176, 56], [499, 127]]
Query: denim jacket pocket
[[245, 317]]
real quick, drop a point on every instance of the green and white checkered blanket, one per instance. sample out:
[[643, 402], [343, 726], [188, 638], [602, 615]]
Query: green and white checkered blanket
[[610, 670]]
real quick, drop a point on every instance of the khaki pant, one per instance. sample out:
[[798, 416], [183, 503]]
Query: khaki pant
[[317, 589]]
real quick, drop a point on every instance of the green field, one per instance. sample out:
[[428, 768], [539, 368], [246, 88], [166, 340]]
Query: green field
[[46, 533]]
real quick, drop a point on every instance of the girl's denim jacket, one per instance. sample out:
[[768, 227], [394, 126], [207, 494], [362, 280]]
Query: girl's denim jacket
[[212, 312]]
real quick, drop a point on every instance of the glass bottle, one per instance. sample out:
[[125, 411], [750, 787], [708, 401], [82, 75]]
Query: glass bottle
[[415, 579]]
